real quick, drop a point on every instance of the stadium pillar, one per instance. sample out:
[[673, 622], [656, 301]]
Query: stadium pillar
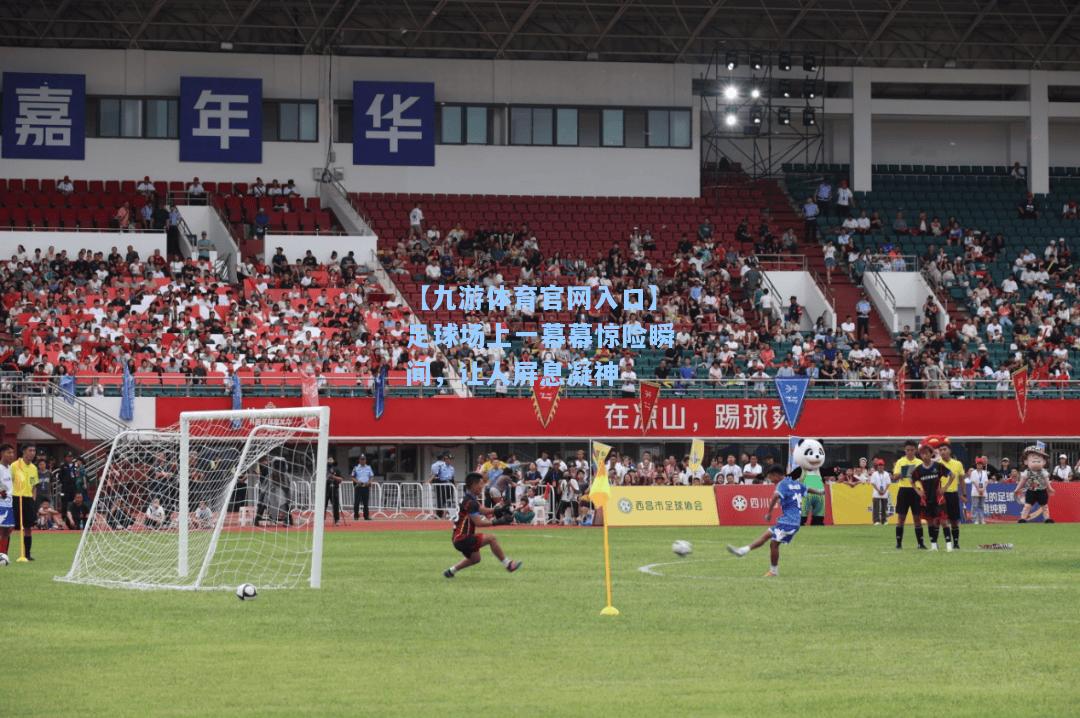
[[861, 131], [1039, 134]]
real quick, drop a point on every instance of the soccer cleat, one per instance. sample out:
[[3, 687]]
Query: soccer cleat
[[771, 574], [933, 545], [948, 546], [1022, 521], [736, 551], [1048, 521], [514, 566], [899, 547], [448, 573]]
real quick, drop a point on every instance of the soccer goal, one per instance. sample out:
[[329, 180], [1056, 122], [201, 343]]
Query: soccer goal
[[220, 499]]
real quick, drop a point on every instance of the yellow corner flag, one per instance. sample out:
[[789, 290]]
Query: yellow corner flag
[[697, 454], [600, 490], [599, 493]]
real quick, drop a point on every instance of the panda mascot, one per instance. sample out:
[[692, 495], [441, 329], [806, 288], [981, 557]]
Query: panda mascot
[[808, 457]]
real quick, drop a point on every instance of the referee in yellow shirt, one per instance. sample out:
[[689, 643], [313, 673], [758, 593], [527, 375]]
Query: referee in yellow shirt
[[952, 487], [908, 498], [24, 482]]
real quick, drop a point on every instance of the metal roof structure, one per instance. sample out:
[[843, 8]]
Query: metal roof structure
[[994, 34]]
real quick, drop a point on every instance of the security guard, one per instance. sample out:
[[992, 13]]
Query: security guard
[[362, 475], [442, 476]]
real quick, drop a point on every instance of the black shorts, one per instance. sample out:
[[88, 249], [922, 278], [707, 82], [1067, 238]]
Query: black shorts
[[907, 499], [469, 545], [29, 511], [1039, 497], [930, 488], [952, 506]]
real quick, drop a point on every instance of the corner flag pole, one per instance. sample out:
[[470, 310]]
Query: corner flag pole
[[599, 493]]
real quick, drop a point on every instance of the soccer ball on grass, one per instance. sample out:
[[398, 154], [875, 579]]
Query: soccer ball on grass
[[682, 548], [4, 561], [246, 592]]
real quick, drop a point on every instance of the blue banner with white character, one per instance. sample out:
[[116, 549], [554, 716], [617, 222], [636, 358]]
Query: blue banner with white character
[[220, 119], [394, 123], [44, 116]]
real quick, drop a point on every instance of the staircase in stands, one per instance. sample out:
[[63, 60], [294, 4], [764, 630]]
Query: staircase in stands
[[841, 292]]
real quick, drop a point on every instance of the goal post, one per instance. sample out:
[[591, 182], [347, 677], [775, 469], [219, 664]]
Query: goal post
[[222, 498]]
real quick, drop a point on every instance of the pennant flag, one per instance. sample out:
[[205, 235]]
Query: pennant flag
[[67, 388], [600, 490], [1040, 445], [792, 442], [545, 401], [792, 391], [648, 398], [237, 398], [1020, 385], [127, 395], [697, 454], [380, 392], [309, 393]]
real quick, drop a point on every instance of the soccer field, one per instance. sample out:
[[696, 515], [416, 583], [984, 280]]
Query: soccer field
[[851, 627]]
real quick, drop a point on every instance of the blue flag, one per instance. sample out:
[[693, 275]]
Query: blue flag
[[792, 391], [792, 443], [380, 392], [237, 398], [67, 388], [127, 396]]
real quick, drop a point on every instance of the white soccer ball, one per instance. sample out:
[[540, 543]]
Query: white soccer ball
[[246, 592], [682, 548], [4, 561]]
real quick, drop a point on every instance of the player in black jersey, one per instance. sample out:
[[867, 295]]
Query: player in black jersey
[[472, 513], [929, 477]]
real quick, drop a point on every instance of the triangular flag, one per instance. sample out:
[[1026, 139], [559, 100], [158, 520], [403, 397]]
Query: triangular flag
[[792, 391], [545, 401], [697, 454], [648, 398], [1020, 386], [600, 490]]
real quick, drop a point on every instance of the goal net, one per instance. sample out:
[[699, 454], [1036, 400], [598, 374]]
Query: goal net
[[222, 498]]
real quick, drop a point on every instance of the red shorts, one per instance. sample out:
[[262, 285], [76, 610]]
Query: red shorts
[[469, 544]]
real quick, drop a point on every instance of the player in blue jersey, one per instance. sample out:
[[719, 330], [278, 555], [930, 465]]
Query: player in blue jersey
[[789, 494]]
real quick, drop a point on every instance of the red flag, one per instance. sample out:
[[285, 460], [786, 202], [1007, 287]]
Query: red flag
[[648, 398], [545, 401], [309, 393], [1020, 386]]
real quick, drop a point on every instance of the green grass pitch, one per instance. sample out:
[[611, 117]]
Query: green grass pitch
[[851, 628]]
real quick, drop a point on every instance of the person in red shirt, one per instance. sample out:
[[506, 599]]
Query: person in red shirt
[[472, 513]]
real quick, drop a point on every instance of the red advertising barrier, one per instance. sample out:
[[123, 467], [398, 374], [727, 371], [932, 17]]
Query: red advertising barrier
[[463, 419], [746, 505], [1065, 503], [743, 505]]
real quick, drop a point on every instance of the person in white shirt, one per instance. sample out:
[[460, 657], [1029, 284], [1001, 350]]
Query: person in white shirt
[[196, 189], [844, 198], [7, 501], [863, 223], [204, 517], [155, 515], [730, 472], [145, 186], [65, 186], [978, 479], [274, 190], [880, 479], [258, 189], [290, 190], [752, 471], [1063, 472], [416, 222], [628, 377]]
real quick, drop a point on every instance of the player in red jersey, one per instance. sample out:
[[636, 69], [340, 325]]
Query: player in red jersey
[[472, 513]]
